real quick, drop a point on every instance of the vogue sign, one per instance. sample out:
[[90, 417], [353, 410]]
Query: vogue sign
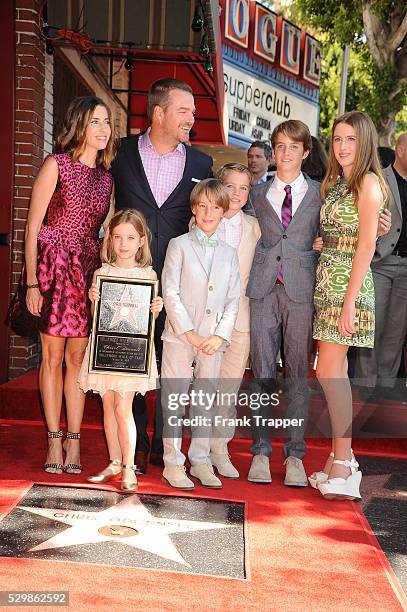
[[273, 39]]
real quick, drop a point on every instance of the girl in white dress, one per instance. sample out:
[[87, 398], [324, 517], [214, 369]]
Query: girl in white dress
[[125, 253]]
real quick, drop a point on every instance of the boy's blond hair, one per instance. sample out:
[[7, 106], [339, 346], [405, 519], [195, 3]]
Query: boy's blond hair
[[235, 168], [214, 190]]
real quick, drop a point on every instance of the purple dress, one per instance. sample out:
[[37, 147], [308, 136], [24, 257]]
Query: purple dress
[[68, 246]]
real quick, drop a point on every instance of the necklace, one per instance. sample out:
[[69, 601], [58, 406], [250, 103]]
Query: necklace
[[340, 185]]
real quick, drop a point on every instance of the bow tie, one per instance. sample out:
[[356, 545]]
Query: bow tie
[[210, 242]]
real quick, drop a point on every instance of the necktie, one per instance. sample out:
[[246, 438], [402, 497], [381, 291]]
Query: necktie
[[286, 216], [210, 242]]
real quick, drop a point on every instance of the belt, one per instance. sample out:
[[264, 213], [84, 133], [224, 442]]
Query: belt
[[400, 252]]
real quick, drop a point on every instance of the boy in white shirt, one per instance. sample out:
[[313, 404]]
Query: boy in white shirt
[[242, 232]]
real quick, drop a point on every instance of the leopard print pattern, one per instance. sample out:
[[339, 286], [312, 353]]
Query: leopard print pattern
[[68, 246]]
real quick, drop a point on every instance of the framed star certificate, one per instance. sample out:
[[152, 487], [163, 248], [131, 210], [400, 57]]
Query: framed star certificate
[[123, 326]]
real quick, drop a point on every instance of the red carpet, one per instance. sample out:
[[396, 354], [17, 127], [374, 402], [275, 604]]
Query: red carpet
[[20, 400], [302, 553]]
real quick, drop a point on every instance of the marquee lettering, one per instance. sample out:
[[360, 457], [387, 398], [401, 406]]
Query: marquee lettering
[[237, 22], [298, 50]]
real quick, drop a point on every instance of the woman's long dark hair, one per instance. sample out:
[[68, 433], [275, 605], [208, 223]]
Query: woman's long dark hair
[[72, 137]]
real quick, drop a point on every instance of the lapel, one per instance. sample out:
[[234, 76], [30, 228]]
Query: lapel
[[217, 260], [244, 239], [307, 199], [266, 202], [185, 176], [393, 186], [137, 168], [198, 250]]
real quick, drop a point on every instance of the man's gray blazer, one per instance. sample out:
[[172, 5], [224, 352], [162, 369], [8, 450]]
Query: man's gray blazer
[[386, 244], [290, 247]]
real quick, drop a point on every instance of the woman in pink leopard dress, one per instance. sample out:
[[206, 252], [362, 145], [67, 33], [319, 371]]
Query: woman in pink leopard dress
[[70, 201]]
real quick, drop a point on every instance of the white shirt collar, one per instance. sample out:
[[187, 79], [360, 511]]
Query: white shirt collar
[[235, 221], [295, 185], [262, 179]]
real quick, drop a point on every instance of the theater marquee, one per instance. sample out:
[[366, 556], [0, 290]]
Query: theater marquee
[[271, 71], [255, 107]]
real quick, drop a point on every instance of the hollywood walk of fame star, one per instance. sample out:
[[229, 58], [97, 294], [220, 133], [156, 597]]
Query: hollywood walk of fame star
[[128, 522], [125, 309]]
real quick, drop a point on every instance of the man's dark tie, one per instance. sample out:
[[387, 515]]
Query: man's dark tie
[[286, 216]]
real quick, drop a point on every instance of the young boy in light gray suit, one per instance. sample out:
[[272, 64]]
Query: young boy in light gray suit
[[201, 288]]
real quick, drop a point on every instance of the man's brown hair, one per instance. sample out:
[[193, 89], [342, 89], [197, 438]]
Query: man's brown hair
[[158, 94]]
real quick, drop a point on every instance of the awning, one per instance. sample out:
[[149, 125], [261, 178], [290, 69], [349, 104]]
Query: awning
[[158, 41], [208, 91]]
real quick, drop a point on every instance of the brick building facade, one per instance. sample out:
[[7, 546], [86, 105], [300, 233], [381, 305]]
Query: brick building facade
[[29, 148], [35, 113]]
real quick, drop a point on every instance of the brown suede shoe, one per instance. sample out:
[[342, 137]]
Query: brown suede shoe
[[295, 475], [140, 459], [156, 459]]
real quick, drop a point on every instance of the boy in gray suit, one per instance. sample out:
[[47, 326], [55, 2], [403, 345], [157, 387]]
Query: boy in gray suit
[[201, 288], [281, 288]]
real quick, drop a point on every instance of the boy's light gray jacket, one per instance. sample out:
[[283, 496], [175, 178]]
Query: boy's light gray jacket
[[195, 298], [290, 247]]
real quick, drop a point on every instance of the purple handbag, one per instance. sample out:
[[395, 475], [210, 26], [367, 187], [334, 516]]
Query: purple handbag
[[19, 318]]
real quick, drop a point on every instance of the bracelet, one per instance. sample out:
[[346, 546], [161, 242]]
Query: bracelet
[[35, 286]]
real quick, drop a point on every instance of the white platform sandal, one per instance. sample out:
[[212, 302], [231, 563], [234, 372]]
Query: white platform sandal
[[317, 477], [343, 488]]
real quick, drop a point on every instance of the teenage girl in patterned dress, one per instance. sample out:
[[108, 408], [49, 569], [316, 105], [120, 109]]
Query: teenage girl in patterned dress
[[354, 192], [70, 201]]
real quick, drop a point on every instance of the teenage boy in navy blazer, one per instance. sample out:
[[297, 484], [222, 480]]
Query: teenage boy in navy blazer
[[155, 172]]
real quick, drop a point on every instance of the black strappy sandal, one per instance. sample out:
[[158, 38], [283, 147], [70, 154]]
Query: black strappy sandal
[[54, 468], [70, 435]]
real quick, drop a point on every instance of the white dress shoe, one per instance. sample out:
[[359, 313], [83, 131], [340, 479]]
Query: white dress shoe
[[175, 476], [317, 477], [260, 470], [204, 473], [295, 475], [343, 488], [224, 465]]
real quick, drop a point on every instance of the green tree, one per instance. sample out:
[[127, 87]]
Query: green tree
[[377, 33]]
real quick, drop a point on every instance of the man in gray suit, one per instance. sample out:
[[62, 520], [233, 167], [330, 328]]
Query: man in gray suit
[[281, 289], [377, 368]]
